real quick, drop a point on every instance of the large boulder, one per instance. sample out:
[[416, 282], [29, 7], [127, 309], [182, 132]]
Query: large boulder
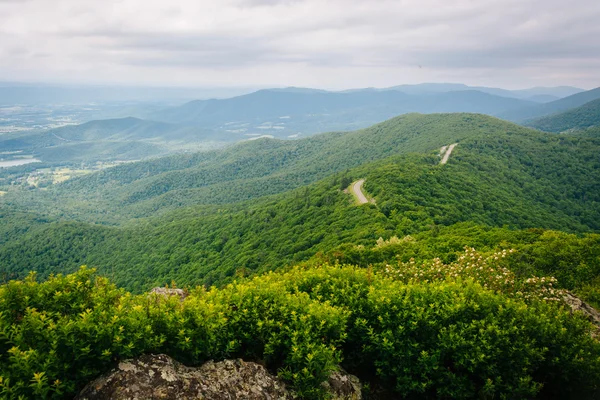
[[161, 377]]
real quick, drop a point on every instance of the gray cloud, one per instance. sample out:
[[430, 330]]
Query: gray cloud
[[334, 43]]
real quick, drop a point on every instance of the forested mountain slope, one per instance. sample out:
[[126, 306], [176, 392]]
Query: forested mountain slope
[[518, 178], [586, 116], [593, 132], [254, 169]]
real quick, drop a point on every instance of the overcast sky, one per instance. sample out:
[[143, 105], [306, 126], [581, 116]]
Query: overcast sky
[[332, 44]]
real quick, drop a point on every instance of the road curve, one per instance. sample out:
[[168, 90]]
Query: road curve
[[447, 153], [357, 190]]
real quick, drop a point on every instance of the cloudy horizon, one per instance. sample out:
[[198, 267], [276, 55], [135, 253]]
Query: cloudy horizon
[[337, 44]]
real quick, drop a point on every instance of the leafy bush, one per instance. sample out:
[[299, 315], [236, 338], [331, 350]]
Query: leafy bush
[[455, 339], [448, 338], [290, 332], [58, 335]]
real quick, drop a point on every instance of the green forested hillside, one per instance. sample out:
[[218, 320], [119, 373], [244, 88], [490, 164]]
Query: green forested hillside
[[593, 132], [521, 179], [586, 116], [104, 151], [263, 167]]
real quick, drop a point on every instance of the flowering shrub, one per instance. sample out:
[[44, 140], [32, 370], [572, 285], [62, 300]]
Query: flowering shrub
[[489, 271]]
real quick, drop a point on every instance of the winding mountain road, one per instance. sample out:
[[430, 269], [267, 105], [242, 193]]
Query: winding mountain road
[[447, 152], [356, 187], [357, 190]]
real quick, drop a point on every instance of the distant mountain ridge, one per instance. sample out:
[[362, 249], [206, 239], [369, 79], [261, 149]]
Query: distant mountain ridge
[[583, 117], [541, 110], [287, 112], [524, 94], [542, 98], [40, 93]]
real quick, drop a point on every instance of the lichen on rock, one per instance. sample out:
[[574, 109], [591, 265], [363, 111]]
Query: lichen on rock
[[161, 377], [343, 386]]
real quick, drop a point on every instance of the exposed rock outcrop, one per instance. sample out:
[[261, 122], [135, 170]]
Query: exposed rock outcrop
[[590, 312], [161, 377]]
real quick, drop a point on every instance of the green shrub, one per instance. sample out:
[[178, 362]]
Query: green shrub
[[455, 339], [449, 338], [290, 332], [58, 335]]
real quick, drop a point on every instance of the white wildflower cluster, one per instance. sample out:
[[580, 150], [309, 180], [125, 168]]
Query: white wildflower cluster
[[543, 288], [487, 271]]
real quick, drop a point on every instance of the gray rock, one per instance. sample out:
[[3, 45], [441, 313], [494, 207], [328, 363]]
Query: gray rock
[[161, 377], [343, 386], [169, 292], [576, 304]]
